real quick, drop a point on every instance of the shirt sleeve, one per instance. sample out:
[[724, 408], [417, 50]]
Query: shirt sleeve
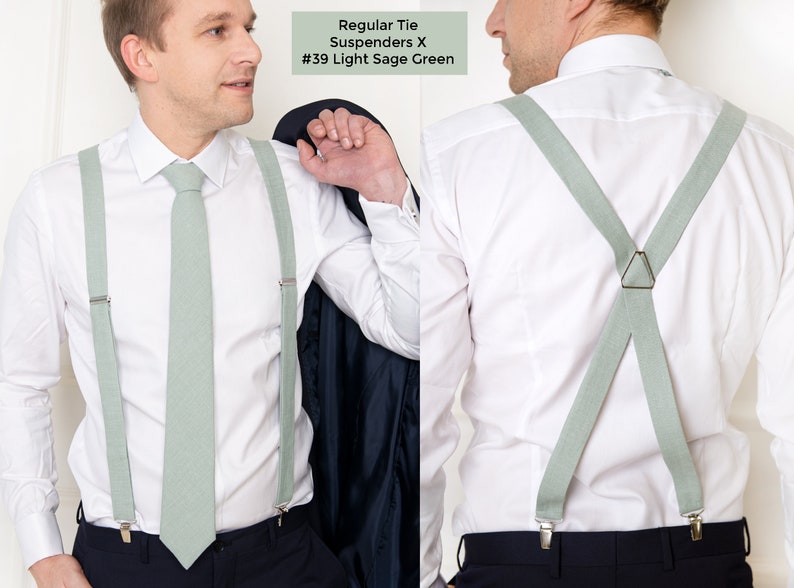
[[775, 357], [446, 354], [373, 278], [31, 331]]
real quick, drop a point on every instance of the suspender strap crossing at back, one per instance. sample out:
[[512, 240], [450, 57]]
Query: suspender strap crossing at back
[[104, 344], [633, 314], [274, 181]]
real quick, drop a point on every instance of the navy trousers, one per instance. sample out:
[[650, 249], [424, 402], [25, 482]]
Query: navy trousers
[[654, 558], [264, 555]]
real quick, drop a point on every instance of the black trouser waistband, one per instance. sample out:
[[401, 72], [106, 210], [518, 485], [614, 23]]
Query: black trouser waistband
[[664, 545], [262, 534]]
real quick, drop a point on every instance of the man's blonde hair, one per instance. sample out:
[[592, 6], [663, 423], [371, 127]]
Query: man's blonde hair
[[653, 9]]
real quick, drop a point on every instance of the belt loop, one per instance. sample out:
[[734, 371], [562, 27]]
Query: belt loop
[[144, 545], [78, 517], [746, 534], [667, 549], [460, 544], [556, 556]]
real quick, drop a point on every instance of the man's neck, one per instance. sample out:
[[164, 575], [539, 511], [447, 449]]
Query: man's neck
[[177, 138], [600, 22]]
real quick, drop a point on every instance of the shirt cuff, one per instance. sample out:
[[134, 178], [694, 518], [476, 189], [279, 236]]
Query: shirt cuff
[[39, 537], [381, 218]]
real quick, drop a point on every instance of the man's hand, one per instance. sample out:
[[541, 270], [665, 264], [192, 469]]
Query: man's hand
[[355, 153], [59, 571]]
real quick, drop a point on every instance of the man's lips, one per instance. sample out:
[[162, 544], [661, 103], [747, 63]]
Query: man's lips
[[240, 85], [505, 52]]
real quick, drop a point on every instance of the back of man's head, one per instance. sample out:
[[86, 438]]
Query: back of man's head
[[143, 18], [652, 9]]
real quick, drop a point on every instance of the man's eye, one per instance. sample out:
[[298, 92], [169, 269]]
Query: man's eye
[[216, 32], [250, 29]]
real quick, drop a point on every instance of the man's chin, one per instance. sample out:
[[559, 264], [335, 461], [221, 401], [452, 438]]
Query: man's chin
[[239, 118], [517, 86], [521, 83]]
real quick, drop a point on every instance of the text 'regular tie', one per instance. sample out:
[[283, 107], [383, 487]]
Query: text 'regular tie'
[[188, 510]]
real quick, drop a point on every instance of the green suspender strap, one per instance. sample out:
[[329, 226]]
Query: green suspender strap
[[104, 344], [277, 192], [632, 315]]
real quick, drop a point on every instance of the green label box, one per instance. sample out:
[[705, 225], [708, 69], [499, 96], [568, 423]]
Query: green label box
[[379, 43]]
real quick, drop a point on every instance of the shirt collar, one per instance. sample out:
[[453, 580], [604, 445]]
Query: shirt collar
[[614, 51], [150, 156]]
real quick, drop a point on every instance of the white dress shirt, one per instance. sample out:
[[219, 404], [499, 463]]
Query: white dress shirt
[[44, 298], [517, 285]]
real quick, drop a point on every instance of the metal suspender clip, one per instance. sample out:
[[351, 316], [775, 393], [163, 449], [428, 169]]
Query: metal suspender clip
[[126, 537], [281, 510], [287, 282], [695, 525], [105, 299], [546, 531]]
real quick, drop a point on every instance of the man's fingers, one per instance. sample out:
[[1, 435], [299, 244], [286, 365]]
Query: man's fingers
[[316, 130], [347, 129], [323, 126], [329, 123], [357, 125], [342, 121]]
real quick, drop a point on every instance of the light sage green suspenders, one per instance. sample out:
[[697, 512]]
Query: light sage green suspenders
[[632, 315], [104, 344], [277, 192]]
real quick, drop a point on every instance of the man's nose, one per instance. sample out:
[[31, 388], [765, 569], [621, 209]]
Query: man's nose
[[494, 26]]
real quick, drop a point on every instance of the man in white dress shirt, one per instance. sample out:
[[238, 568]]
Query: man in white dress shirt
[[517, 285], [192, 65]]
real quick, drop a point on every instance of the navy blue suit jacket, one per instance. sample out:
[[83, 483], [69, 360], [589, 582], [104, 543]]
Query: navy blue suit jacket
[[363, 401]]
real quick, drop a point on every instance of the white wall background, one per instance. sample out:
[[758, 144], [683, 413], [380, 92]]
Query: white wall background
[[741, 49], [60, 92]]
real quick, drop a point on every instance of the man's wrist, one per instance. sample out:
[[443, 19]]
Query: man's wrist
[[387, 187], [392, 224]]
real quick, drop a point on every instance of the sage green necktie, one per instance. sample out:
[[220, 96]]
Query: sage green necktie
[[188, 511]]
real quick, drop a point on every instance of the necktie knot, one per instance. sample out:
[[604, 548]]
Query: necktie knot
[[184, 177]]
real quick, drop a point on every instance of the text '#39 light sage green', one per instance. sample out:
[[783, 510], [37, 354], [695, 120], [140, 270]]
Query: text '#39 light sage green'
[[379, 43]]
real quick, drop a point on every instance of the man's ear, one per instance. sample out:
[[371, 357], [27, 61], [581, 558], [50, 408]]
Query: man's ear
[[136, 56], [576, 8]]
